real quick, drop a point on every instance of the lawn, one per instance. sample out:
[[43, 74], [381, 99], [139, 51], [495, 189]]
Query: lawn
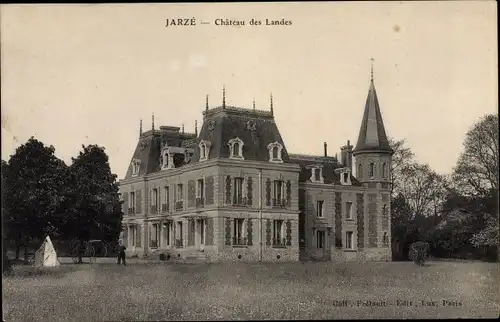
[[244, 291]]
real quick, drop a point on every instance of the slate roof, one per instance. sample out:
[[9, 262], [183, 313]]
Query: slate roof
[[148, 149], [372, 135], [329, 165], [255, 128]]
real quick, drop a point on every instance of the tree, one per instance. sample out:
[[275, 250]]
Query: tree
[[402, 157], [96, 208], [476, 171], [33, 182], [476, 174]]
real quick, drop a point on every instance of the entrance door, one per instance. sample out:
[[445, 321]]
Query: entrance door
[[320, 244]]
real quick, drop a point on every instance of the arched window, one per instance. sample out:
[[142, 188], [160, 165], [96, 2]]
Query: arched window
[[275, 149], [204, 149], [275, 152], [165, 159], [384, 170], [235, 148], [317, 174], [372, 170], [360, 171]]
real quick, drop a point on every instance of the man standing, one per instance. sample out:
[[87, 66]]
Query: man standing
[[121, 253]]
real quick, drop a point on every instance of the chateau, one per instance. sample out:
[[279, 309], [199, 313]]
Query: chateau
[[234, 192]]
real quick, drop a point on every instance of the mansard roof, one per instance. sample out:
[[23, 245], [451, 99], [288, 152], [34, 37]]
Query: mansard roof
[[328, 164], [148, 149], [256, 128], [372, 135]]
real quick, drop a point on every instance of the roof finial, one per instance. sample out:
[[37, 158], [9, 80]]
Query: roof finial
[[153, 122], [182, 128], [272, 113], [206, 103], [371, 70], [140, 128], [224, 96], [254, 104], [196, 127]]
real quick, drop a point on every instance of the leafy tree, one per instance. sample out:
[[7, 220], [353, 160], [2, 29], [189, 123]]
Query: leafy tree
[[96, 208], [476, 171], [33, 182], [402, 157], [477, 174]]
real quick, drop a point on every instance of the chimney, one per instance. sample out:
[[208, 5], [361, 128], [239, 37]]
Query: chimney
[[346, 155], [326, 151]]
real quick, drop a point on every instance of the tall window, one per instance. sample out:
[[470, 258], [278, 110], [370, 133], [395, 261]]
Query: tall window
[[131, 201], [349, 240], [319, 208], [178, 235], [154, 197], [278, 191], [360, 171], [155, 235], [238, 188], [346, 176], [275, 151], [384, 170], [180, 195], [372, 170], [199, 188], [136, 164], [166, 229], [164, 157], [238, 232], [348, 210], [320, 239], [166, 192], [133, 234], [278, 234]]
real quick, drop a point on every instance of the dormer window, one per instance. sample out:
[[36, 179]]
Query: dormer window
[[345, 177], [235, 148], [204, 149], [275, 149], [136, 164], [167, 161], [317, 174]]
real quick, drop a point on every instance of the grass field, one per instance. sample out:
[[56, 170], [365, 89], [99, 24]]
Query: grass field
[[243, 291]]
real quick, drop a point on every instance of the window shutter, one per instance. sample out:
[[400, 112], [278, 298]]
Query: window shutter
[[125, 203], [268, 192], [138, 241], [191, 193], [228, 189], [190, 232], [289, 232], [268, 232], [338, 220], [228, 231], [210, 231], [138, 202], [150, 235], [249, 191], [174, 227], [289, 193], [249, 232]]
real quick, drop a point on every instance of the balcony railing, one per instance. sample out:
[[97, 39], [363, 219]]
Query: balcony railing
[[131, 211], [279, 242], [179, 243], [279, 203], [153, 244], [154, 209], [241, 241], [200, 202], [240, 201], [165, 207], [179, 205]]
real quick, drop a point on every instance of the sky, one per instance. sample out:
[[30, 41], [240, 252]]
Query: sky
[[86, 74]]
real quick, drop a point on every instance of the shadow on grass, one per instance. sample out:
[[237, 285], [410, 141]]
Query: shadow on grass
[[22, 271]]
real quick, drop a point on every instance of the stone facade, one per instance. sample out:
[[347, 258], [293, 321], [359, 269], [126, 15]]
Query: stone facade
[[234, 193]]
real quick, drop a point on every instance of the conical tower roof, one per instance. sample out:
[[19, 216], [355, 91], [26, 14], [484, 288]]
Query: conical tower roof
[[372, 137]]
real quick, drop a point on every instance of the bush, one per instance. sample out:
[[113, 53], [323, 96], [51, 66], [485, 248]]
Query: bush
[[419, 252], [164, 257]]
